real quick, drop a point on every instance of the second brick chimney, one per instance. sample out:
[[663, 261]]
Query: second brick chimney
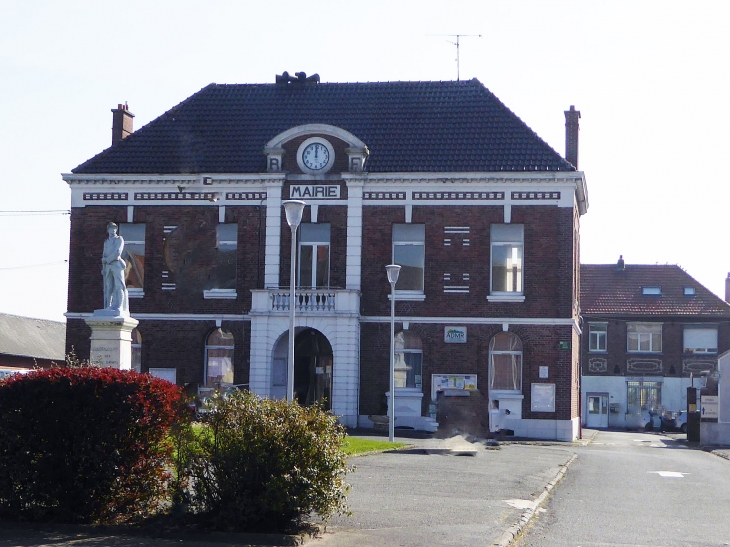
[[121, 123], [572, 127], [727, 288]]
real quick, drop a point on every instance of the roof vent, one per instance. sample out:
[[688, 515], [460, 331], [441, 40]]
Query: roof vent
[[298, 78], [620, 264]]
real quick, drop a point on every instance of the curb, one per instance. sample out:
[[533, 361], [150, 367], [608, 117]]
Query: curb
[[516, 529]]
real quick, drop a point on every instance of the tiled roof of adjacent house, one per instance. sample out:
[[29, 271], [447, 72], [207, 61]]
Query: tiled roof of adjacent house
[[407, 126], [605, 289], [28, 337]]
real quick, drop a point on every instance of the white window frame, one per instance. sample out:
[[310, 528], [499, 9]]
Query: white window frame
[[516, 244], [223, 294], [136, 292], [315, 244], [644, 337], [406, 294], [418, 378], [513, 353], [712, 345], [232, 348], [594, 342]]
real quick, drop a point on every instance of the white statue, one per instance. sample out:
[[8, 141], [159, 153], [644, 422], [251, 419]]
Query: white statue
[[112, 269]]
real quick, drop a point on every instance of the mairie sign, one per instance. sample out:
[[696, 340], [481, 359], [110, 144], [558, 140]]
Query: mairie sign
[[455, 335], [314, 191]]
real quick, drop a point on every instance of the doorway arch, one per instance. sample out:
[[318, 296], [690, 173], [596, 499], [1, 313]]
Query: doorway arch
[[313, 362]]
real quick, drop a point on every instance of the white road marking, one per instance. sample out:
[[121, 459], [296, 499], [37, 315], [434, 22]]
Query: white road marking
[[671, 474]]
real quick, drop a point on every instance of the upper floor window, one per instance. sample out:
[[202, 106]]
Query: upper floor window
[[597, 334], [507, 246], [505, 362], [651, 291], [700, 340], [226, 245], [133, 255], [408, 361], [409, 248], [644, 337], [314, 256]]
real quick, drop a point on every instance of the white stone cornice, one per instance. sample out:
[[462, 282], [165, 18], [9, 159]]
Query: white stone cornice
[[172, 180], [312, 128]]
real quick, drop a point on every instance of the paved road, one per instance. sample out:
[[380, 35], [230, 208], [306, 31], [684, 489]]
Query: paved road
[[637, 489], [411, 499]]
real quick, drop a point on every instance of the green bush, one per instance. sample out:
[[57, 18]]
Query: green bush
[[264, 465], [85, 444]]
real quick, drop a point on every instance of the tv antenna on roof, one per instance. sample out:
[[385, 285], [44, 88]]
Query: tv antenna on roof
[[457, 36]]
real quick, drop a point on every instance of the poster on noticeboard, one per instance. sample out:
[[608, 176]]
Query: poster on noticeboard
[[452, 382]]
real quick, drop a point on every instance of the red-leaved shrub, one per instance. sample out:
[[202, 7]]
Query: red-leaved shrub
[[85, 444]]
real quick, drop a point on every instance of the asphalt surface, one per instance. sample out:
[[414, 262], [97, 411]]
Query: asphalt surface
[[403, 498], [637, 489]]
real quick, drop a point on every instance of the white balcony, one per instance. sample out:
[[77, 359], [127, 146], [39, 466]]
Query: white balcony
[[306, 301]]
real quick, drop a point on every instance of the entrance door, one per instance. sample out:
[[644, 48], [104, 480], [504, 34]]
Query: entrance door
[[313, 368], [597, 410]]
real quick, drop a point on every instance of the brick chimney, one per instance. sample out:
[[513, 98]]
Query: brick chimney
[[572, 127], [727, 288], [121, 123]]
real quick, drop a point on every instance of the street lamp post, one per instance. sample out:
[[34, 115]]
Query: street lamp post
[[293, 209], [393, 273]]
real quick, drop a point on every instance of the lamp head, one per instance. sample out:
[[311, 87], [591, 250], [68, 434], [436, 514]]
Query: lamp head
[[293, 209], [393, 273]]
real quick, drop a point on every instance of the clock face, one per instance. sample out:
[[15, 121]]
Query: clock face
[[316, 156]]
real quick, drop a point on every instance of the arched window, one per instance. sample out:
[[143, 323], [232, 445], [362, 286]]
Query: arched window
[[505, 362], [408, 359], [136, 351], [219, 359]]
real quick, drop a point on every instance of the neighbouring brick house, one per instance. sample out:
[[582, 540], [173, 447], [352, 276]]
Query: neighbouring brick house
[[439, 177], [646, 329]]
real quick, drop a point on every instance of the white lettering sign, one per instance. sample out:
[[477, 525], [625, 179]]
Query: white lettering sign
[[455, 335], [314, 191]]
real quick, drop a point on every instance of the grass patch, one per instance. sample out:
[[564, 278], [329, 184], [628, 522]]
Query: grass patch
[[356, 445]]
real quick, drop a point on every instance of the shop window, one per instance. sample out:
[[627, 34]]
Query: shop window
[[506, 258], [219, 351], [700, 340], [644, 337], [409, 249], [644, 396], [136, 351], [597, 334], [505, 362], [408, 360], [133, 255], [314, 256]]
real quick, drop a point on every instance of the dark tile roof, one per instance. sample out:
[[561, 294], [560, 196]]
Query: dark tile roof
[[28, 337], [408, 127], [607, 290]]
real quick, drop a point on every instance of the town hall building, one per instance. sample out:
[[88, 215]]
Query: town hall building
[[439, 177]]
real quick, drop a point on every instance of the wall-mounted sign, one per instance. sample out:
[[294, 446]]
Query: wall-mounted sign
[[455, 335], [564, 344], [709, 406], [314, 191], [543, 371], [543, 398]]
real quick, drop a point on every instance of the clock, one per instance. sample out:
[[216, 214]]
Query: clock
[[315, 156]]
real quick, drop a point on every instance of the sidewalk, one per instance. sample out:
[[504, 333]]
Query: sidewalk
[[423, 495]]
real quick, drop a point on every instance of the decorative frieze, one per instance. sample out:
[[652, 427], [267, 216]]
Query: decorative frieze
[[245, 196], [383, 196], [640, 365], [698, 365], [106, 196], [461, 196], [597, 364], [532, 196], [176, 196]]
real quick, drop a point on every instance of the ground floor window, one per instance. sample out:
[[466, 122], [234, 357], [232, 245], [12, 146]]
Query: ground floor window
[[644, 395], [505, 362], [408, 360], [219, 349]]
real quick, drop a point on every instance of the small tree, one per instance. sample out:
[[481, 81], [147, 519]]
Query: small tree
[[264, 465], [85, 444]]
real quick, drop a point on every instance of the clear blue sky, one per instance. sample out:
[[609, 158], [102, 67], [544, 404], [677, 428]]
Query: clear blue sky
[[649, 78]]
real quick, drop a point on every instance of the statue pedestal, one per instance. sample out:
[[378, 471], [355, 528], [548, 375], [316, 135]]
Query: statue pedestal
[[111, 338]]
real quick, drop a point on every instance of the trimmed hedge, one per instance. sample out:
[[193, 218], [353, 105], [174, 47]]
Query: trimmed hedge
[[265, 465], [85, 444]]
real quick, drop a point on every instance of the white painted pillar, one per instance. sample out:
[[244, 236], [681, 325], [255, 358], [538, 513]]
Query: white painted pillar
[[353, 271], [273, 232]]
